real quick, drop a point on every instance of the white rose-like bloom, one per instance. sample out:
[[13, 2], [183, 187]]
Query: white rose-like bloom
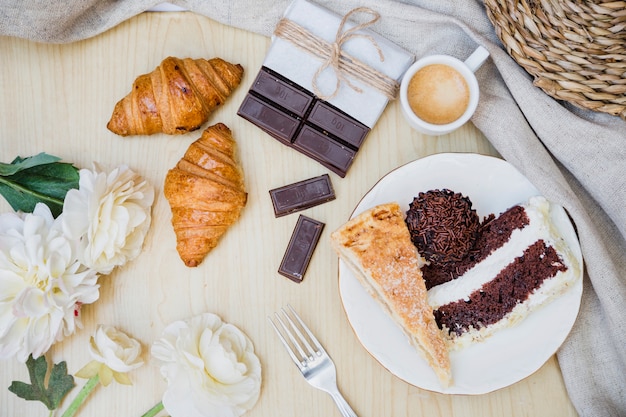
[[109, 214], [210, 367], [42, 284], [115, 349], [114, 353]]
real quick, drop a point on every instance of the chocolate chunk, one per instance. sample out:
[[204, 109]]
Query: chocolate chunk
[[302, 195], [297, 118], [338, 124], [303, 241], [332, 154], [282, 93], [273, 121]]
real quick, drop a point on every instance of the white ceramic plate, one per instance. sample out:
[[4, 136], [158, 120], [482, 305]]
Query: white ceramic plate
[[508, 356]]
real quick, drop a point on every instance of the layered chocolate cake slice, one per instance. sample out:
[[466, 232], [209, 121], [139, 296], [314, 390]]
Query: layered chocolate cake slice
[[516, 263]]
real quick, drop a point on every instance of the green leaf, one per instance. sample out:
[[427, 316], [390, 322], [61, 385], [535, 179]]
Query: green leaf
[[23, 163], [37, 179], [59, 383]]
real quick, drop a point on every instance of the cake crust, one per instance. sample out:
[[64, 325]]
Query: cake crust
[[377, 247]]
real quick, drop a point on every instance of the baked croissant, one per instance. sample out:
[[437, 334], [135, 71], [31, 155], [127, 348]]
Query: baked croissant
[[206, 193], [176, 98]]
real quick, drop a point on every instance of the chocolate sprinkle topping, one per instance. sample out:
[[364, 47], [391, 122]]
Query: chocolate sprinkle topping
[[443, 225], [492, 234]]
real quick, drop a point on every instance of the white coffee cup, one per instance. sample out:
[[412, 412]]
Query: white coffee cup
[[426, 93]]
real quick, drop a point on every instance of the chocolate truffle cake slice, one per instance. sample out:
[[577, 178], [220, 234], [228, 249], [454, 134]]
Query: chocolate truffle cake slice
[[533, 266]]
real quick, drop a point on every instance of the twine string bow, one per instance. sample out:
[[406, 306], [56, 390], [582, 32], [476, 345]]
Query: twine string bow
[[333, 56]]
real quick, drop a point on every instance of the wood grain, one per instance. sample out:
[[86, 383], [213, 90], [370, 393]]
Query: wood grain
[[58, 99]]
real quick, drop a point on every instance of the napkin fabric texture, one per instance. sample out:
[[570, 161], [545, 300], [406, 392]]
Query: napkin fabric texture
[[577, 158]]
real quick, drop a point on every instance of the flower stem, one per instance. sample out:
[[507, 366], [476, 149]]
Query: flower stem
[[154, 410], [80, 398]]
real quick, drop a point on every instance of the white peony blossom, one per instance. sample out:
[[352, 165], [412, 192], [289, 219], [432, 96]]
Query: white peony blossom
[[42, 284], [114, 353], [210, 367], [109, 214]]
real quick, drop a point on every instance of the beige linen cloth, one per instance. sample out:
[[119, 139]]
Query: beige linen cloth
[[576, 158]]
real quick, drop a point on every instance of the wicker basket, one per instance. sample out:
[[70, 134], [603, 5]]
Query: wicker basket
[[574, 49]]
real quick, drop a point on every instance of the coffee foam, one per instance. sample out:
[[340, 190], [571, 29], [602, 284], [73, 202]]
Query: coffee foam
[[438, 94]]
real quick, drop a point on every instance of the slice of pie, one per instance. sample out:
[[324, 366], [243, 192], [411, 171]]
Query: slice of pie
[[376, 246]]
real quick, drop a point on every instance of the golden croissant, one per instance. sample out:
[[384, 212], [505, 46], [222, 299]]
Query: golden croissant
[[176, 98], [206, 193]]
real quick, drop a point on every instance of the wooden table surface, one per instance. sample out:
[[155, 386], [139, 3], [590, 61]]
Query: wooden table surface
[[58, 99]]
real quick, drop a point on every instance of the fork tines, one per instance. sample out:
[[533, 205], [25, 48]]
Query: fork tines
[[302, 346]]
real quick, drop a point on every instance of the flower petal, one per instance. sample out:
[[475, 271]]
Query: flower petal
[[122, 378], [90, 370], [105, 374]]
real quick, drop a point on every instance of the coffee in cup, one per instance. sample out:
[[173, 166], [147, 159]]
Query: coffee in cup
[[438, 94]]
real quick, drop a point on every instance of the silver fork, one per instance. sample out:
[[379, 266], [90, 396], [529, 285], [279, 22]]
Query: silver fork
[[309, 356]]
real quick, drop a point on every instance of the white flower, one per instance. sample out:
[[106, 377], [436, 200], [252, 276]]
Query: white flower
[[110, 215], [210, 367], [42, 284], [114, 354]]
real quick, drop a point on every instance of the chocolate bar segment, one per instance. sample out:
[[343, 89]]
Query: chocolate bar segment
[[271, 120], [330, 153], [297, 118], [303, 241], [282, 93], [340, 125], [302, 195]]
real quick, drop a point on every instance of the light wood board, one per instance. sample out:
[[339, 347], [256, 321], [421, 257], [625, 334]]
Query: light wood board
[[58, 99]]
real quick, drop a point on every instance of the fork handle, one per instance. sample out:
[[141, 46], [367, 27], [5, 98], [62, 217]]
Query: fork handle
[[342, 404]]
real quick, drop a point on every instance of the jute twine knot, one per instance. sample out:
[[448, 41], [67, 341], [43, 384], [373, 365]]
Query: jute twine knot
[[333, 56]]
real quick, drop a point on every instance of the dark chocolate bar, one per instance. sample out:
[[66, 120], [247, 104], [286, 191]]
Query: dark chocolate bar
[[302, 195], [303, 241], [297, 118]]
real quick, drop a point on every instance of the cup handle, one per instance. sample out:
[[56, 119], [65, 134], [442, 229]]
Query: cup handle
[[477, 58]]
